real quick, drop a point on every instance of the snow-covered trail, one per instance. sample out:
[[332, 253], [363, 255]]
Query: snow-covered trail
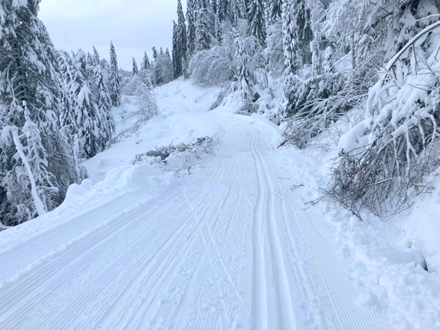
[[231, 247]]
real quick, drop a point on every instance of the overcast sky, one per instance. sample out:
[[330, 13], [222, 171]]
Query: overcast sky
[[134, 26]]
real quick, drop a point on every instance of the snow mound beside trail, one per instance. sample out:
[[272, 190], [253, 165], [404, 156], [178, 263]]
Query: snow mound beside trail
[[76, 191], [394, 261], [391, 271], [423, 224]]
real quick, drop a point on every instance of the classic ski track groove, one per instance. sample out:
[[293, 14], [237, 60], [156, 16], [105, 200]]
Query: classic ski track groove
[[259, 294], [285, 299], [341, 311]]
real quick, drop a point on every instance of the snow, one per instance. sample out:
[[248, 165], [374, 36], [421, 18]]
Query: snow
[[423, 225], [176, 123], [234, 244], [83, 96], [355, 137], [19, 3], [389, 268], [414, 40], [388, 257]]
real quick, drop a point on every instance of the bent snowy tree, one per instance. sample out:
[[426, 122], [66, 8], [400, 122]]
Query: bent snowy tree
[[385, 158]]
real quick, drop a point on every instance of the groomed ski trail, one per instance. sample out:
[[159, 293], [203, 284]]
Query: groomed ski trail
[[231, 247]]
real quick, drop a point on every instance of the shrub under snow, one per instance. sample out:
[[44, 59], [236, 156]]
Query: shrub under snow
[[394, 148]]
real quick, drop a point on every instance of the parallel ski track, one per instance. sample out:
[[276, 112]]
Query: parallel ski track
[[285, 299], [328, 294], [267, 220]]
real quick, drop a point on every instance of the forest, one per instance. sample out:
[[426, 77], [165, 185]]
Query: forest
[[375, 63]]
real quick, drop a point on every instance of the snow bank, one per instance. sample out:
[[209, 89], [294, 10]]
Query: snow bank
[[390, 270], [388, 257], [423, 225]]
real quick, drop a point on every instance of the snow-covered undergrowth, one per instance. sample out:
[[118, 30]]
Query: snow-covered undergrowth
[[268, 100], [112, 174], [395, 261], [179, 158]]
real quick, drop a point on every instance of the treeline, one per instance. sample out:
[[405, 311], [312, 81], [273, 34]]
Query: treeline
[[373, 61], [54, 113]]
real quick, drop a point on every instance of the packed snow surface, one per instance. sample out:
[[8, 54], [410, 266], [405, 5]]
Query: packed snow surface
[[224, 240]]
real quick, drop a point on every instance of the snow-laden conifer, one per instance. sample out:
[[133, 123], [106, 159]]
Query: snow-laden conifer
[[145, 62], [257, 21], [30, 111], [114, 78], [191, 11], [135, 68]]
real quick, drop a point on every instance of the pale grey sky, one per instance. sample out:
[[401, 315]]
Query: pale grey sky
[[134, 26]]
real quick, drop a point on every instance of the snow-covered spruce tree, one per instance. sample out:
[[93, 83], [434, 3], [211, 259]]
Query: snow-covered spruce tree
[[135, 67], [239, 10], [67, 78], [168, 66], [30, 113], [257, 22], [154, 50], [275, 10], [182, 40], [191, 27], [157, 68], [145, 62], [243, 75], [114, 78], [37, 160], [292, 55], [218, 28], [158, 74], [105, 121], [68, 105], [223, 10], [383, 160], [92, 105], [203, 35], [274, 49], [177, 58], [85, 108], [223, 16]]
